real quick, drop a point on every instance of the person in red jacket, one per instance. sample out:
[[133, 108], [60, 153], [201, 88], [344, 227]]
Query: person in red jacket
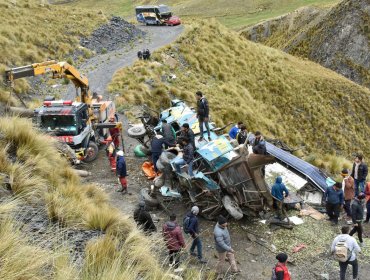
[[114, 133], [281, 270], [367, 199], [174, 239]]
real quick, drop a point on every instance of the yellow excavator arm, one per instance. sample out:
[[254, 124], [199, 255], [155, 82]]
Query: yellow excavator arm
[[59, 70]]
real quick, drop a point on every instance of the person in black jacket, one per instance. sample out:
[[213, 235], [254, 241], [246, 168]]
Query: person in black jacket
[[143, 218], [359, 173], [187, 132], [157, 147], [187, 157], [203, 114], [357, 216], [259, 144], [241, 137]]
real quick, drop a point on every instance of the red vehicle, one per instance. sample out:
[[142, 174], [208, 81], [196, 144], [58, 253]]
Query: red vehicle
[[174, 20]]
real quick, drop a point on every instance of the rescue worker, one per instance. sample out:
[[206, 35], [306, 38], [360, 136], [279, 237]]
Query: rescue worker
[[157, 147], [281, 269], [187, 157], [174, 239], [334, 201], [359, 173], [168, 132], [121, 172], [348, 186], [223, 247], [114, 132], [111, 152], [143, 218], [242, 135], [187, 132], [235, 130], [203, 114], [279, 192]]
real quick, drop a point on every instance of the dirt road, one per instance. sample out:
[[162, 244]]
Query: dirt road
[[101, 68]]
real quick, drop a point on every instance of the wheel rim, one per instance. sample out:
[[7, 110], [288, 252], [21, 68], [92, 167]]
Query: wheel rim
[[90, 152]]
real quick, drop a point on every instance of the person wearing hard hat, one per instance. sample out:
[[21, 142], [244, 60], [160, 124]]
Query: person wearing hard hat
[[121, 172], [114, 133]]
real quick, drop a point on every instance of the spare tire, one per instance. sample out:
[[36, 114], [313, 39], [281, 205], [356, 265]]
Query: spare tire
[[232, 207], [137, 131], [149, 201]]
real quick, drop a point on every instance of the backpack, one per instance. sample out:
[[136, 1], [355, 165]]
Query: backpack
[[186, 223], [342, 252], [273, 276]]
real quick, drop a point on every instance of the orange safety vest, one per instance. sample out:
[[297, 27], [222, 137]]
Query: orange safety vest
[[367, 190], [283, 267]]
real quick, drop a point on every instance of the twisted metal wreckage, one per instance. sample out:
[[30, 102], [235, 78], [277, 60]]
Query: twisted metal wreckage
[[226, 175]]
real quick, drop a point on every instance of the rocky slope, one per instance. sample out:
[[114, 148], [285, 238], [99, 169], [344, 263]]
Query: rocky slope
[[337, 38]]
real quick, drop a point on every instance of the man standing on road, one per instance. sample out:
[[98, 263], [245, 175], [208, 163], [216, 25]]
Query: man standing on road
[[115, 133], [223, 247], [348, 186], [169, 133], [359, 173], [121, 172], [334, 201], [353, 248], [235, 130], [278, 192], [203, 114], [357, 217], [143, 218], [174, 240], [187, 132], [193, 229]]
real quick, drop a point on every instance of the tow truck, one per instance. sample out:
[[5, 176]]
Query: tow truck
[[82, 123]]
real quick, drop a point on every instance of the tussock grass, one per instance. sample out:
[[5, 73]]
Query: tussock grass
[[39, 175], [283, 96], [31, 33]]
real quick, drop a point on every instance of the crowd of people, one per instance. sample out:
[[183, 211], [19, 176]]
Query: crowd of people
[[352, 195]]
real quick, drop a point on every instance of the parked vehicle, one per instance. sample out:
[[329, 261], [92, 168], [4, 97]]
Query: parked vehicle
[[156, 15]]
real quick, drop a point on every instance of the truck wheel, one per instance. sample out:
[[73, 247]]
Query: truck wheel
[[232, 207], [91, 152], [136, 131], [149, 201]]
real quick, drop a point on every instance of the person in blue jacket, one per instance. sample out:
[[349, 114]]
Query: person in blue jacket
[[157, 148], [234, 130], [121, 172], [278, 192], [334, 201]]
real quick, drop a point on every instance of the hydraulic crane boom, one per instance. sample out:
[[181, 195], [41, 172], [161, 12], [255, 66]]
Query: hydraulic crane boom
[[59, 70]]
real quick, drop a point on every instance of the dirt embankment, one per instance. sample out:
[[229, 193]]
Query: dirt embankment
[[337, 38]]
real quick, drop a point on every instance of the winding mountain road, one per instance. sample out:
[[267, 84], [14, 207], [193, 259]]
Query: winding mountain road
[[101, 68]]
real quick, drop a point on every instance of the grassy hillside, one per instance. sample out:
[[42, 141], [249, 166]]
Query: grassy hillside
[[285, 97], [31, 33], [232, 13], [337, 38], [40, 178]]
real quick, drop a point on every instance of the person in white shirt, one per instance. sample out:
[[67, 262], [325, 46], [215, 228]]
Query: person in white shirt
[[352, 247]]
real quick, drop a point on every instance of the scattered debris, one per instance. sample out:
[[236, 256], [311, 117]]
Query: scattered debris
[[298, 248], [295, 220], [311, 212]]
